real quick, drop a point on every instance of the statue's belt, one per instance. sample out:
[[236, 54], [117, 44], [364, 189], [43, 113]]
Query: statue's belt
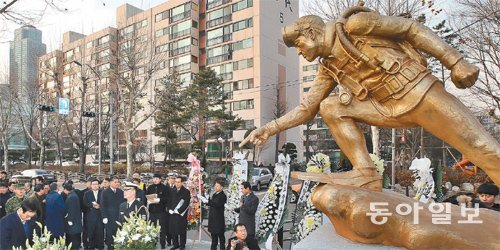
[[392, 86]]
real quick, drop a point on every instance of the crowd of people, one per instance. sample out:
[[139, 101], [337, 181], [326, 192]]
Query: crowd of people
[[88, 218]]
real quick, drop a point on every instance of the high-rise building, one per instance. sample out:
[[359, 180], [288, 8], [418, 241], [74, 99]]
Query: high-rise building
[[240, 40], [24, 52], [25, 49]]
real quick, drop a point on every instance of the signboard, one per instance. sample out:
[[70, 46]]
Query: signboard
[[64, 106]]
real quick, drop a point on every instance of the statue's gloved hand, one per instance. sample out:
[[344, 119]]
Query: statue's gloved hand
[[464, 74], [257, 137]]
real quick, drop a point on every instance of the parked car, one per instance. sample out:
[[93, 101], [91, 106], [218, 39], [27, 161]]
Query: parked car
[[69, 163], [93, 164], [260, 177], [31, 174]]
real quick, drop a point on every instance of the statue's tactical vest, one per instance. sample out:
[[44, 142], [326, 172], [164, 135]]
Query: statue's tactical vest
[[393, 70]]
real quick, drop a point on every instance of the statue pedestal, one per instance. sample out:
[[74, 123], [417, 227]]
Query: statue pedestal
[[325, 237], [393, 219]]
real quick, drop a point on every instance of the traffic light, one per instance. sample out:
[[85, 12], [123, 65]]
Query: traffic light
[[88, 114], [47, 108]]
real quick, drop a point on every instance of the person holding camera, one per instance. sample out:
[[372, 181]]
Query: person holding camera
[[241, 241]]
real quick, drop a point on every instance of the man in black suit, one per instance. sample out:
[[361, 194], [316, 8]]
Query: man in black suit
[[170, 197], [85, 210], [157, 206], [131, 203], [16, 227], [248, 206], [216, 220], [178, 211], [74, 225], [112, 197], [95, 228]]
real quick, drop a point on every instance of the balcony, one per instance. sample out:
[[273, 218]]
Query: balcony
[[218, 59], [179, 17], [220, 39], [179, 34], [219, 21], [181, 67], [179, 51], [216, 3]]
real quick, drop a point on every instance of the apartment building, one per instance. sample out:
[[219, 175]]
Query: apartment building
[[316, 138], [240, 40], [80, 71]]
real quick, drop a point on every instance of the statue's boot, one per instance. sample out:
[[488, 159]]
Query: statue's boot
[[359, 177]]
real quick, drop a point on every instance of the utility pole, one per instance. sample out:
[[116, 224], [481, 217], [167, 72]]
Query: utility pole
[[100, 130], [111, 132], [393, 156]]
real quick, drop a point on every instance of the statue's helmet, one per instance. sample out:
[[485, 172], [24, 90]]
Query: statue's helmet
[[293, 31]]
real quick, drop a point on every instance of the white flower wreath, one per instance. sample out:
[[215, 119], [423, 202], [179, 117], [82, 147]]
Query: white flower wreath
[[271, 208]]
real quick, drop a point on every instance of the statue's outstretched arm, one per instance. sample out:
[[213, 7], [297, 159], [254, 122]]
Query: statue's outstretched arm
[[420, 37], [308, 108]]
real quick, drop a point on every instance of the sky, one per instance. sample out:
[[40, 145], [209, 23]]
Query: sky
[[82, 16]]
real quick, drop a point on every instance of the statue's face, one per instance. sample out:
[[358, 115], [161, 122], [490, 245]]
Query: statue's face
[[307, 47]]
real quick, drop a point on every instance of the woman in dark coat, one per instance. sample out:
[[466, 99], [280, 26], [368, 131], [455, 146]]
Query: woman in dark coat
[[216, 220]]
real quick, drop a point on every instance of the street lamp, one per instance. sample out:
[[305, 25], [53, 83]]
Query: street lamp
[[221, 141], [100, 109]]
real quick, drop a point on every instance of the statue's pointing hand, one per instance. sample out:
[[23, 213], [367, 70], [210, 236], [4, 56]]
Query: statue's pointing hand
[[464, 74], [257, 137]]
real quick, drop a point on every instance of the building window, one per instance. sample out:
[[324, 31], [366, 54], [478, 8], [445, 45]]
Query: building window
[[246, 124], [242, 5], [244, 104], [243, 84], [126, 33], [161, 32], [180, 12], [219, 16], [162, 48], [225, 71], [141, 24], [161, 16], [220, 35], [180, 47], [68, 56], [310, 67], [180, 63], [243, 24], [214, 3], [306, 89], [181, 29], [219, 54], [243, 44], [308, 78], [243, 64]]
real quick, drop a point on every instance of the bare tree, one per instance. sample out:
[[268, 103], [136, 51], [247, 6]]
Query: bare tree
[[140, 59], [82, 129], [6, 119], [478, 23], [330, 10], [20, 12]]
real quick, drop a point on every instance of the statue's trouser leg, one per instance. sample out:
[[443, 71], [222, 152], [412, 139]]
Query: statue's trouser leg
[[446, 117]]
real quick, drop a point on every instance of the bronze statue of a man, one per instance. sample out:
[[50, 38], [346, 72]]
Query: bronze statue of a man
[[383, 82]]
